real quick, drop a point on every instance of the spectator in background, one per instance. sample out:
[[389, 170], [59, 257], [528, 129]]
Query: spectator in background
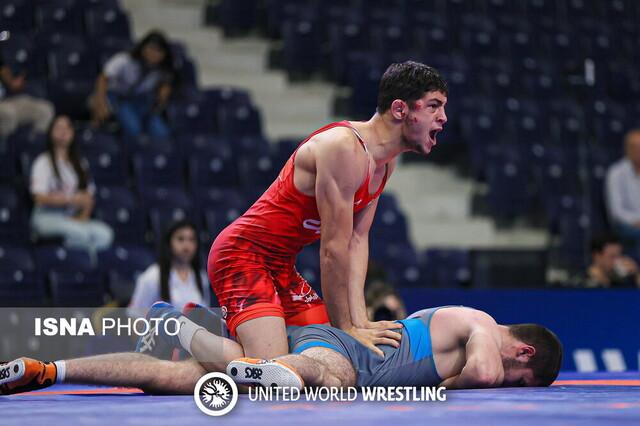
[[609, 267], [18, 108], [136, 87], [384, 303], [63, 193], [623, 193], [177, 277]]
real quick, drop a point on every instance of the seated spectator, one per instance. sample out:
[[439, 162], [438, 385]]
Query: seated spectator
[[17, 108], [609, 267], [177, 276], [63, 193], [623, 193], [384, 303], [136, 86]]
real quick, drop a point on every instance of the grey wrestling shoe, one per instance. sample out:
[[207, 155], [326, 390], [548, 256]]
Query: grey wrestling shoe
[[254, 371], [156, 342]]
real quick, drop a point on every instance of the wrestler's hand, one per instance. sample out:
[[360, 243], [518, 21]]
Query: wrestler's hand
[[377, 333]]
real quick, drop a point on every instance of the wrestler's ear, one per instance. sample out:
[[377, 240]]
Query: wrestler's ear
[[526, 352], [399, 109]]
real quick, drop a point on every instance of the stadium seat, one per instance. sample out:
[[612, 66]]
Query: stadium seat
[[17, 15], [213, 170], [445, 268], [76, 289], [14, 227], [157, 170], [107, 21]]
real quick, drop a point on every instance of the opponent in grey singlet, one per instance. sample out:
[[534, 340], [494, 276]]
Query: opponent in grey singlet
[[411, 364]]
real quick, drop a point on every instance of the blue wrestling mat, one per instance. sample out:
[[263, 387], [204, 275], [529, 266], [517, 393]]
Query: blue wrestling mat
[[575, 399]]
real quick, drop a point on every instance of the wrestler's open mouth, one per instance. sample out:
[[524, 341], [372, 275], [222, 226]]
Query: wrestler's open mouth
[[433, 134]]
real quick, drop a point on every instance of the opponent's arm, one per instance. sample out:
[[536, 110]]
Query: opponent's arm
[[483, 367]]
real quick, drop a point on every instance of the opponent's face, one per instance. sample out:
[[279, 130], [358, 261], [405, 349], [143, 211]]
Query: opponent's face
[[424, 121], [518, 376], [607, 258], [183, 244], [62, 132]]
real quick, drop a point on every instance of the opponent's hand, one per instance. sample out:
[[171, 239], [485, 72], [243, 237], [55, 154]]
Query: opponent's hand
[[377, 333]]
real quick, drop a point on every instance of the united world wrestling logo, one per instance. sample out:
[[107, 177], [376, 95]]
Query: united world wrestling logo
[[215, 394]]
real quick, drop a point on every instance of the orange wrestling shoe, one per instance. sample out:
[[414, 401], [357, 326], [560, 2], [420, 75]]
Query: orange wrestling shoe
[[25, 375]]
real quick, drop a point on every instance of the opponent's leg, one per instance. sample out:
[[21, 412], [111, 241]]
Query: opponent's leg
[[213, 352], [135, 370], [121, 369]]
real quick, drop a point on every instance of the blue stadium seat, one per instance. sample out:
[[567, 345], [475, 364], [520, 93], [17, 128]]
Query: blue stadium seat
[[13, 217], [193, 116], [122, 264], [257, 172], [51, 258], [128, 224], [211, 198], [389, 226], [92, 139], [76, 289], [219, 217], [401, 262], [162, 216], [16, 257], [213, 170], [69, 96], [59, 15], [16, 15], [21, 287], [21, 55], [193, 144], [108, 46], [165, 196], [301, 46], [235, 122], [157, 170], [128, 259], [8, 161], [445, 268], [226, 96], [107, 21], [68, 62], [345, 37]]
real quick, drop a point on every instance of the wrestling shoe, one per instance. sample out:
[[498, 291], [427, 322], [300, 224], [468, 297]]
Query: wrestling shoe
[[156, 342], [254, 371], [25, 375]]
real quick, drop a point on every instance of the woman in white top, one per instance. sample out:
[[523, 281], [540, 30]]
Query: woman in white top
[[63, 193], [177, 277]]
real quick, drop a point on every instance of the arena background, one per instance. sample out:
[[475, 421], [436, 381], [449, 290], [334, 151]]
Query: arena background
[[498, 217]]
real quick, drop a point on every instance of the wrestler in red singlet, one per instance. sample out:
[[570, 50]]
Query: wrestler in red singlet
[[252, 262]]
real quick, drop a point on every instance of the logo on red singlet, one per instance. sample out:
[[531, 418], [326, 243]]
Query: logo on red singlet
[[312, 224], [304, 294]]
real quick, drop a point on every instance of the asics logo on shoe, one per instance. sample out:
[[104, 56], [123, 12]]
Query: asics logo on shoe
[[253, 373]]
